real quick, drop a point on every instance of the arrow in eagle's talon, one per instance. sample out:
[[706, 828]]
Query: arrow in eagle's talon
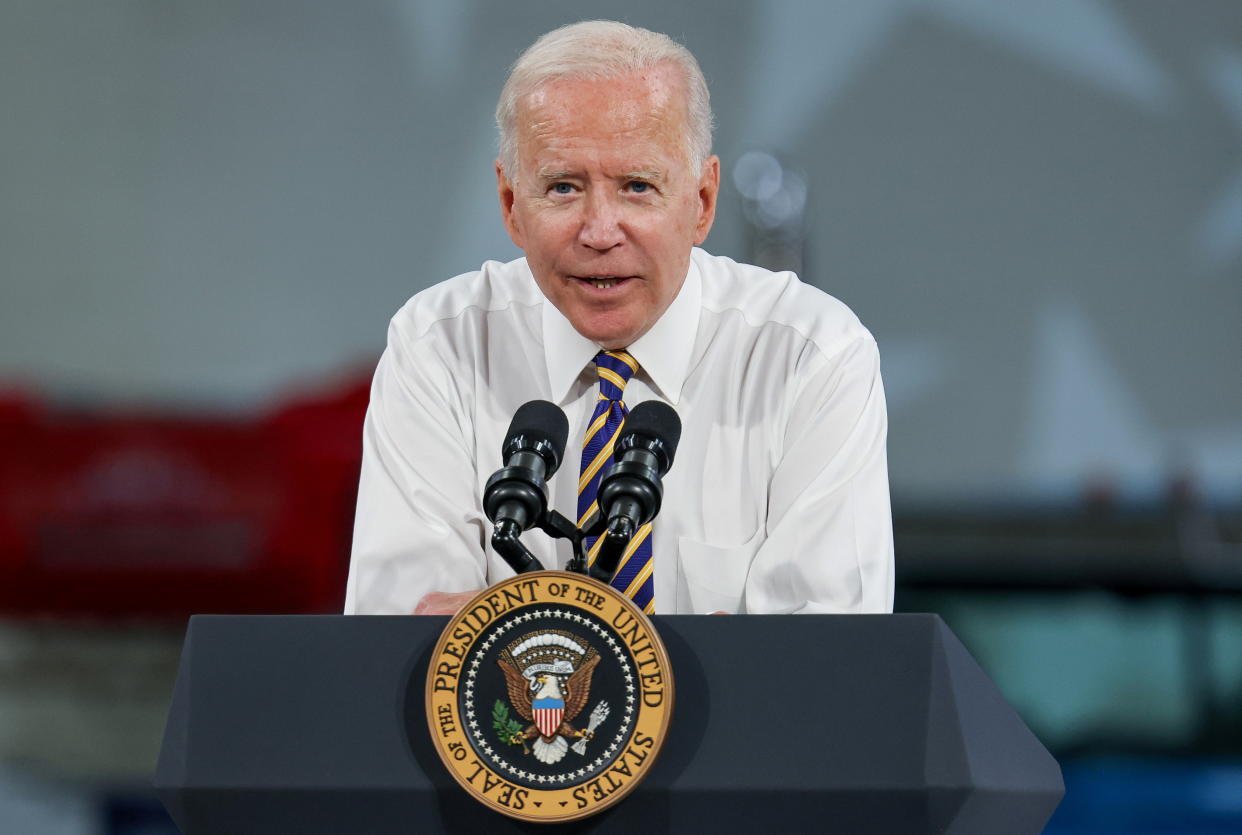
[[597, 717]]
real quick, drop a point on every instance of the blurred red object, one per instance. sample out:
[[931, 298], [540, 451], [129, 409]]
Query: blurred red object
[[158, 516]]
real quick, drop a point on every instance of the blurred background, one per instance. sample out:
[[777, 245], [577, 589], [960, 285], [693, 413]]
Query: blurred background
[[209, 211]]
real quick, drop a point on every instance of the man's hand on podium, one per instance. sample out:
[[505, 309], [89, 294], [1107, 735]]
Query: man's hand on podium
[[443, 602]]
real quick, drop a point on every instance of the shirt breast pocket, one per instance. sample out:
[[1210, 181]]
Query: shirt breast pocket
[[712, 578]]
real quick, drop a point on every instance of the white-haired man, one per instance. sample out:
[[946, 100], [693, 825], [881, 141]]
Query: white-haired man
[[778, 501]]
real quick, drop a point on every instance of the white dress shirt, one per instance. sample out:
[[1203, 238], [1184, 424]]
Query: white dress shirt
[[777, 500]]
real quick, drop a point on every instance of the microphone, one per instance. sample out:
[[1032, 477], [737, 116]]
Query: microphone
[[515, 498], [630, 493]]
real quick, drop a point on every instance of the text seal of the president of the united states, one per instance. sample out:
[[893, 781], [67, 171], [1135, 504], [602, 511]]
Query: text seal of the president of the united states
[[549, 696]]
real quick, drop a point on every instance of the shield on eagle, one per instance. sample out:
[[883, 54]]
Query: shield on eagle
[[548, 713]]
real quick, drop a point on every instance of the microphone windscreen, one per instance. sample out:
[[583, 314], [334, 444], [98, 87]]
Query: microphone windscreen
[[539, 420], [655, 420]]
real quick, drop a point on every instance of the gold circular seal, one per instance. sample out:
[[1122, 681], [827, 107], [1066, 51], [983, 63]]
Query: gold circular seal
[[549, 696]]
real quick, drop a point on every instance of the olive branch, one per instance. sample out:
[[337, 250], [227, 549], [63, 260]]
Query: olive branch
[[510, 729]]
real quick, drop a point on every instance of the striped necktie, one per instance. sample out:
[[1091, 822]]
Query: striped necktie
[[634, 577]]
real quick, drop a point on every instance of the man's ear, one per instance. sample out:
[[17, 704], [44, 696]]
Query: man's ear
[[709, 190], [504, 190]]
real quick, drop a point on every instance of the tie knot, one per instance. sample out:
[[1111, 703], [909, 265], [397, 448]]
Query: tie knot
[[615, 369]]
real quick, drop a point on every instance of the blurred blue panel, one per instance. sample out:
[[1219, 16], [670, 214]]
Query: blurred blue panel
[[1148, 796]]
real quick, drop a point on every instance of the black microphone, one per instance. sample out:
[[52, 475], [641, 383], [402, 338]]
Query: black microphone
[[516, 496], [630, 493]]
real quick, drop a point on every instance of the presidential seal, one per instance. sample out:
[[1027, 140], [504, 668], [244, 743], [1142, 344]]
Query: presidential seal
[[549, 696]]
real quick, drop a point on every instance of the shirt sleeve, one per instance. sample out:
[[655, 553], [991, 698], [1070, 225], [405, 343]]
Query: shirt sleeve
[[829, 543], [419, 525]]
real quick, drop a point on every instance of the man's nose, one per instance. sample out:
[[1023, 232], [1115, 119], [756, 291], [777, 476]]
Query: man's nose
[[601, 227]]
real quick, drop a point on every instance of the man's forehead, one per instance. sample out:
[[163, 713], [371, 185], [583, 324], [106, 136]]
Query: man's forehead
[[625, 125], [649, 102]]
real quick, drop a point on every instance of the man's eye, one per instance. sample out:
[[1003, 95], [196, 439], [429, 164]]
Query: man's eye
[[639, 187], [562, 188]]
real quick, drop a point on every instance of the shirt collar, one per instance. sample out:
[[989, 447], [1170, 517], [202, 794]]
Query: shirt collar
[[662, 352]]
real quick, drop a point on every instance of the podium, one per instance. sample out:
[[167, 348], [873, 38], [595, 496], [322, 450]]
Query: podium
[[846, 723]]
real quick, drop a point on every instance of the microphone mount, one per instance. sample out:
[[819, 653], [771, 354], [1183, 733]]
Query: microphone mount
[[515, 498]]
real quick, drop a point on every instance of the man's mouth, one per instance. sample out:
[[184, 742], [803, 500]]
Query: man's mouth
[[603, 282]]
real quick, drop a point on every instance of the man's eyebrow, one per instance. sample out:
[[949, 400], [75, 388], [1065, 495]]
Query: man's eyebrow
[[652, 174], [553, 174]]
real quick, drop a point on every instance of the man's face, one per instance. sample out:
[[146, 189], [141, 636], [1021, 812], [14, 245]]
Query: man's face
[[605, 203]]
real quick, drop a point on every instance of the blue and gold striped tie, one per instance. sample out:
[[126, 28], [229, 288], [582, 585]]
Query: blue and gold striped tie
[[634, 577]]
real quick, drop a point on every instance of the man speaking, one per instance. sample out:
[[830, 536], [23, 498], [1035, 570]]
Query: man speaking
[[778, 497]]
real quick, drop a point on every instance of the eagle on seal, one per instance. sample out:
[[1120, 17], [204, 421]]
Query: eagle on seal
[[548, 743]]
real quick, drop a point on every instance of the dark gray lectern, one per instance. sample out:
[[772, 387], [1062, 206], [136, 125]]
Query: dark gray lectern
[[799, 723]]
